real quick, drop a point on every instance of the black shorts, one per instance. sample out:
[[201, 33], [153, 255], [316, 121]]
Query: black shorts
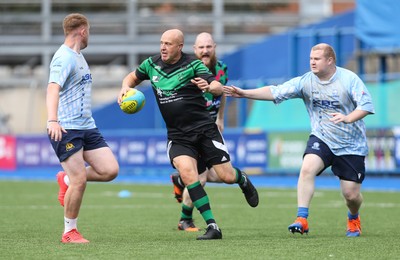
[[346, 167], [74, 140], [202, 165], [206, 145]]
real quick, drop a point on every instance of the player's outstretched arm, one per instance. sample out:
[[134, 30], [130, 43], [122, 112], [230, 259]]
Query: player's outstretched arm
[[263, 93]]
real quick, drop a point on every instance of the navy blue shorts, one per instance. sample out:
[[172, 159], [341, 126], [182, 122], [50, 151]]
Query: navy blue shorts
[[346, 167], [74, 140], [206, 145]]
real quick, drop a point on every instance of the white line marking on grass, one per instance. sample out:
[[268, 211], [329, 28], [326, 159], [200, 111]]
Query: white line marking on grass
[[330, 204]]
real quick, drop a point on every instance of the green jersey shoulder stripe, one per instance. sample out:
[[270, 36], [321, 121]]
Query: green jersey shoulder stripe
[[165, 77]]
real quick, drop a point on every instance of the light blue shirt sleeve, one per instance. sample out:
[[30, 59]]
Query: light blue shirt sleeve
[[288, 90]]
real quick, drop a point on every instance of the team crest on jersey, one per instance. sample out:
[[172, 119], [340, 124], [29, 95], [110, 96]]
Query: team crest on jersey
[[335, 94], [69, 147]]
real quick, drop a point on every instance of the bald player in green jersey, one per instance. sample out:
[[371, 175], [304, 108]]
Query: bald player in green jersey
[[179, 81]]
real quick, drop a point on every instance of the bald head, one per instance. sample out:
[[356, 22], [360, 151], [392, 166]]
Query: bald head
[[204, 49], [174, 35], [204, 37], [171, 45]]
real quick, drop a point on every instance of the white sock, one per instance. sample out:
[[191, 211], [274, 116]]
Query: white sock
[[69, 224], [66, 180]]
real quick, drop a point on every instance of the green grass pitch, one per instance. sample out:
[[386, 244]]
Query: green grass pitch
[[144, 226]]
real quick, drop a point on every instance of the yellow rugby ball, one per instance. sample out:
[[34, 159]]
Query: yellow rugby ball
[[133, 101]]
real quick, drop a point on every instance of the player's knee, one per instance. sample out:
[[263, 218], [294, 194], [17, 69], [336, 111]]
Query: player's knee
[[113, 173], [351, 196], [78, 185], [110, 173]]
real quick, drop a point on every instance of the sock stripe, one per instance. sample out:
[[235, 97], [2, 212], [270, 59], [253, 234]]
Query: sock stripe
[[201, 202], [239, 176], [187, 212]]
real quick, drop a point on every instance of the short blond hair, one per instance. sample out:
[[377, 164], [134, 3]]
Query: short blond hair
[[328, 50], [74, 21]]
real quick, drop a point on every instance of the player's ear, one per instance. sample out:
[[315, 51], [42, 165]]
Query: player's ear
[[84, 31]]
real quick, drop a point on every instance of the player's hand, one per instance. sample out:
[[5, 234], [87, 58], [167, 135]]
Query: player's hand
[[337, 118], [55, 130], [232, 91], [122, 93], [201, 84]]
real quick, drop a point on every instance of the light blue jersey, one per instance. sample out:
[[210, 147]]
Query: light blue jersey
[[71, 71], [343, 93]]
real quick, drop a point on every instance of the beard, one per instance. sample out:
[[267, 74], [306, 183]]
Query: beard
[[211, 65]]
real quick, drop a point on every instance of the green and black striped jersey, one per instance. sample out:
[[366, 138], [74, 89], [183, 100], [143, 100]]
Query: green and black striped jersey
[[181, 102]]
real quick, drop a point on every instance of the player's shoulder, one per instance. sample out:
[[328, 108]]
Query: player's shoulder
[[221, 65], [347, 76], [63, 55], [154, 58], [308, 76], [150, 62], [189, 58], [345, 71]]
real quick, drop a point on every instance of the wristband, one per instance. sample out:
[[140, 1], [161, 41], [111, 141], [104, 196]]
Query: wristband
[[49, 121]]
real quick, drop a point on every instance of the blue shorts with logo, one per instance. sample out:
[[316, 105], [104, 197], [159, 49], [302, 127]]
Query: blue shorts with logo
[[74, 140], [346, 167]]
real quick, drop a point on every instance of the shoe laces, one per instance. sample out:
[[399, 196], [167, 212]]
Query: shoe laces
[[73, 235], [303, 222], [353, 225]]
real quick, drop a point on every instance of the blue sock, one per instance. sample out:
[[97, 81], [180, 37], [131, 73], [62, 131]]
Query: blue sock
[[352, 216], [302, 212]]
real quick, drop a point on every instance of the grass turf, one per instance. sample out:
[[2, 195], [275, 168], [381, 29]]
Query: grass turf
[[144, 226]]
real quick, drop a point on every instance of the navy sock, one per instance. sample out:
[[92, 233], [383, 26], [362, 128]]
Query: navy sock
[[302, 212]]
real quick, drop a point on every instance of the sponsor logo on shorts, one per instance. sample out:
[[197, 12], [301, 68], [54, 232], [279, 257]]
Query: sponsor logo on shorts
[[315, 146], [69, 147]]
